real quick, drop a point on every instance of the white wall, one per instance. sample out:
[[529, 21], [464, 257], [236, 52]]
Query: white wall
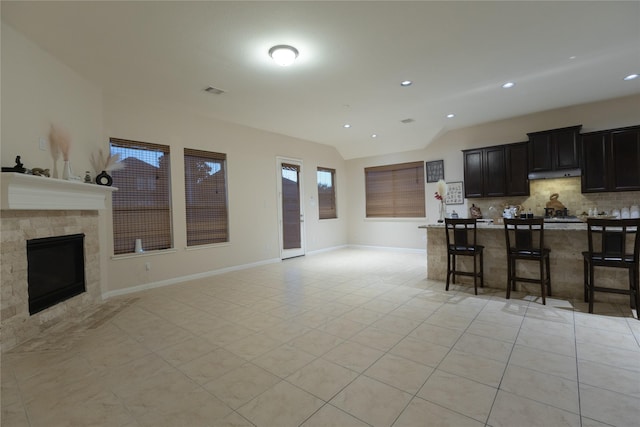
[[38, 90], [448, 147], [251, 174]]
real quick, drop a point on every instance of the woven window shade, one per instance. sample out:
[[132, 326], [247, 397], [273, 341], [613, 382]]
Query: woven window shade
[[206, 197], [142, 204], [395, 191], [327, 193]]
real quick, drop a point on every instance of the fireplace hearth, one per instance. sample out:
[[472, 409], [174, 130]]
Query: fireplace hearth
[[55, 270]]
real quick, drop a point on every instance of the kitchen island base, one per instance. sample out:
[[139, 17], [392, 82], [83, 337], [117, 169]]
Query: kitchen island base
[[566, 241]]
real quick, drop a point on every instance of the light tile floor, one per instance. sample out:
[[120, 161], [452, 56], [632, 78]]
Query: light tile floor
[[351, 337]]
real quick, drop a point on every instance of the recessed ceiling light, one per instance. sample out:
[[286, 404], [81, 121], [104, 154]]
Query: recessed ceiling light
[[283, 54], [508, 85], [631, 77], [450, 116], [346, 126], [374, 136], [572, 57], [406, 83]]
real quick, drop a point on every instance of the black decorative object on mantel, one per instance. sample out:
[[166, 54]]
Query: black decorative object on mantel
[[19, 167], [104, 178]]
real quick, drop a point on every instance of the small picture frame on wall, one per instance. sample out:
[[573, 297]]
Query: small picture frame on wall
[[435, 170], [455, 193]]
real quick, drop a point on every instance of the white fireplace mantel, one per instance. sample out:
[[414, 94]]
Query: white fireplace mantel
[[29, 192]]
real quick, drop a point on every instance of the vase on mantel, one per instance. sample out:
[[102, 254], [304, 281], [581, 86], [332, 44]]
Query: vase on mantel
[[66, 170], [103, 178]]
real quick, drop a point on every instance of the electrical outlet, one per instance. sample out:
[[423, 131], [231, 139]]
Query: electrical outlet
[[43, 144]]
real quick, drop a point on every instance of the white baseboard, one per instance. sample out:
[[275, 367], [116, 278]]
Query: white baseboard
[[176, 280], [332, 248], [190, 277], [389, 248]]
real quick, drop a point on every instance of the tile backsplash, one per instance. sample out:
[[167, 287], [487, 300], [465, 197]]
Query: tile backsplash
[[569, 194]]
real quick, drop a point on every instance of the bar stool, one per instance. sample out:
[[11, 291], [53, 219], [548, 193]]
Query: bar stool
[[613, 243], [525, 241], [461, 241]]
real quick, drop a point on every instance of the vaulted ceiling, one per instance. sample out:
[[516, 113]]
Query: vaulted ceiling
[[352, 57]]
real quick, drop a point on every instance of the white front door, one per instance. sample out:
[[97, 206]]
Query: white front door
[[290, 207]]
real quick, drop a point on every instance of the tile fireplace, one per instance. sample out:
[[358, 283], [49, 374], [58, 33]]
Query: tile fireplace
[[32, 209]]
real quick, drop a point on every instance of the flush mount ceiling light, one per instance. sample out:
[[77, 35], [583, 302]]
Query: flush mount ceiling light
[[346, 126], [508, 85], [374, 136], [450, 116], [283, 54], [631, 77], [406, 83]]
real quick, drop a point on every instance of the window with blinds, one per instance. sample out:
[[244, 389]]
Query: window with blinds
[[206, 197], [142, 204], [327, 193], [395, 191]]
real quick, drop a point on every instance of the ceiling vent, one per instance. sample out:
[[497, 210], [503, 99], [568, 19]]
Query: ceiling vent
[[214, 90], [405, 121]]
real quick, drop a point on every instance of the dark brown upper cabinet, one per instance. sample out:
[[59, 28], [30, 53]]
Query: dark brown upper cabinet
[[473, 172], [496, 171], [611, 160], [554, 149], [516, 156]]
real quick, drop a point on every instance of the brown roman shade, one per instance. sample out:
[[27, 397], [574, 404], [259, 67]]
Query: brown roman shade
[[206, 197], [142, 204], [395, 191]]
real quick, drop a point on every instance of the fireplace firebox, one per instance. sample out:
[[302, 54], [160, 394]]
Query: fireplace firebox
[[55, 270]]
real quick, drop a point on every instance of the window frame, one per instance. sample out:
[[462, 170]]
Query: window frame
[[330, 212]]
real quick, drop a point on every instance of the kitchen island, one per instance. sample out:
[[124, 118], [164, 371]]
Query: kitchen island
[[567, 241]]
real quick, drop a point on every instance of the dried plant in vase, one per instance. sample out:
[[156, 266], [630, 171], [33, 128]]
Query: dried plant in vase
[[103, 164], [60, 144], [441, 195]]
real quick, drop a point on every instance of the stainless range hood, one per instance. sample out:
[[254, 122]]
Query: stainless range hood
[[565, 173]]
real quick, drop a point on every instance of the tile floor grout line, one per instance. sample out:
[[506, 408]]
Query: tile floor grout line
[[152, 344], [515, 340], [415, 395], [575, 344]]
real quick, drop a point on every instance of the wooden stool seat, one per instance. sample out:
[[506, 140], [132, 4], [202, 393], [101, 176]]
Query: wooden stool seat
[[613, 243], [461, 241], [525, 241]]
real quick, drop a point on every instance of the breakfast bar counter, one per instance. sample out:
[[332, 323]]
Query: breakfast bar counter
[[567, 241]]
